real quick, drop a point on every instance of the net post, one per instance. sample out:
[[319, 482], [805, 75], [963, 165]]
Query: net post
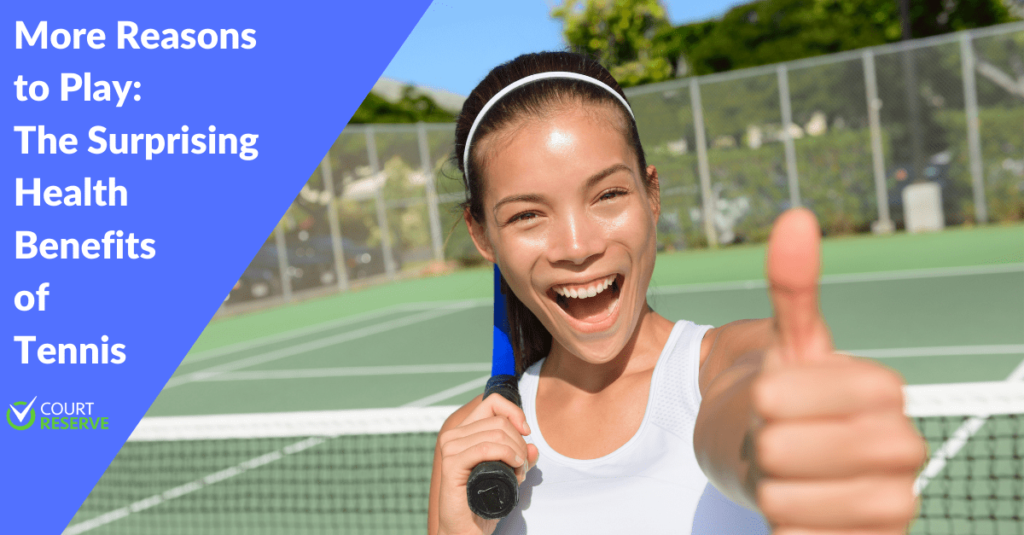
[[702, 163], [282, 260], [327, 175], [382, 216], [432, 201], [884, 224], [973, 135], [787, 138]]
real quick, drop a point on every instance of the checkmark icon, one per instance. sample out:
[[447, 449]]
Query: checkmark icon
[[21, 414]]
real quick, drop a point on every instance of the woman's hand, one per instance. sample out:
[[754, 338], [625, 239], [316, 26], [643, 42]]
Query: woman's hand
[[493, 431], [832, 451]]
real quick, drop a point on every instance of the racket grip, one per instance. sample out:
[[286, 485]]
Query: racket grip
[[492, 489]]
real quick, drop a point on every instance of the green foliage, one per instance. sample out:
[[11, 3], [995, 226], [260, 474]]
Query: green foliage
[[620, 34], [458, 245], [836, 177], [774, 31], [634, 40], [837, 181], [411, 108], [1002, 154], [936, 17], [407, 221], [673, 43]]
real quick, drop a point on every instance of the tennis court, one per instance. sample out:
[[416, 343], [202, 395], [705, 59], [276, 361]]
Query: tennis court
[[939, 308]]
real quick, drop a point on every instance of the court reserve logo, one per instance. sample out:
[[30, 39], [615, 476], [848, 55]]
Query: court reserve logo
[[56, 415], [20, 414]]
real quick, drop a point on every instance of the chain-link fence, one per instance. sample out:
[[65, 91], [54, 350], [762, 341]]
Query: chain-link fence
[[843, 134]]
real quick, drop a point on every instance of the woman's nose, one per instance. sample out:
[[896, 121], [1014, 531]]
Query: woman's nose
[[575, 239]]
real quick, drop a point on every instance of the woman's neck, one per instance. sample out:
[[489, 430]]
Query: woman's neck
[[639, 355]]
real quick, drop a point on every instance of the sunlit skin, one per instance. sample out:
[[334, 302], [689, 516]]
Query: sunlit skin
[[815, 440]]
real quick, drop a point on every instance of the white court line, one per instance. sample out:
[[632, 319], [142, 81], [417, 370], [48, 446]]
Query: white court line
[[947, 451], [451, 392], [312, 345], [880, 276], [957, 441], [1017, 374], [352, 371], [200, 356], [1004, 349]]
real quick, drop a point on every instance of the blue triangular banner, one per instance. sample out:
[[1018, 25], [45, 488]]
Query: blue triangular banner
[[311, 65]]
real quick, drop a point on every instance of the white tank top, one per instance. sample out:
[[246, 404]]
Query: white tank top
[[651, 484]]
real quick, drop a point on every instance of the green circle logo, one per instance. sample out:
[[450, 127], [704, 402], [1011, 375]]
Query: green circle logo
[[31, 417]]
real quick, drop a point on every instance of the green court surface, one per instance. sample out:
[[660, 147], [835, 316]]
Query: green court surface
[[939, 308]]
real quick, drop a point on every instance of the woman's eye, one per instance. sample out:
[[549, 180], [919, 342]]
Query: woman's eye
[[524, 216], [611, 194]]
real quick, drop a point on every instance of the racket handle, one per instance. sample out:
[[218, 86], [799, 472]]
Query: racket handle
[[492, 489]]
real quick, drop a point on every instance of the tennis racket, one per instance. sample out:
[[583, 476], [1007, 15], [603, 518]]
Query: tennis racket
[[492, 489]]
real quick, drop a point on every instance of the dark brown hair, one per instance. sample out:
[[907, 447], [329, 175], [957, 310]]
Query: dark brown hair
[[531, 341]]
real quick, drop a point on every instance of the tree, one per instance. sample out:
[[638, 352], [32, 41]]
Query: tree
[[635, 41], [411, 108], [773, 31], [619, 34], [672, 43]]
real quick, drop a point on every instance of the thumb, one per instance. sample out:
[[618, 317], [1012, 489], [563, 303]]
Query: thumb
[[792, 267]]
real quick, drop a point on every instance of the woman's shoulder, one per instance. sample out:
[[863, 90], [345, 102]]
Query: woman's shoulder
[[723, 346]]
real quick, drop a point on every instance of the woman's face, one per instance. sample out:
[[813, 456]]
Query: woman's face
[[570, 223]]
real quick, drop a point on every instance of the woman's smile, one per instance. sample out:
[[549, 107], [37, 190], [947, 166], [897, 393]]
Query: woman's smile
[[592, 306]]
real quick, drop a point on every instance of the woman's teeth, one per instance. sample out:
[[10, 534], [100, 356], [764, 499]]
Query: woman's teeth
[[583, 292]]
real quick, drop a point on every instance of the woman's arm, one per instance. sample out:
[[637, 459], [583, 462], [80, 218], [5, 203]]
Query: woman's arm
[[731, 358], [815, 440]]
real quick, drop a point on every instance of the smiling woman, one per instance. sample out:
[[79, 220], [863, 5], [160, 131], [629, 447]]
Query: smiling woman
[[627, 416]]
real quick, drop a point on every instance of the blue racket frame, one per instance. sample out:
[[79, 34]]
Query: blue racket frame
[[503, 361]]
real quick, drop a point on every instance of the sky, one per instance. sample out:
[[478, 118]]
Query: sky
[[457, 42]]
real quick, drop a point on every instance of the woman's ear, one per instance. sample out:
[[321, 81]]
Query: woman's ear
[[654, 191], [479, 234]]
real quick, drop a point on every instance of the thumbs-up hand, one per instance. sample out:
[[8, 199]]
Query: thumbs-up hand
[[833, 452]]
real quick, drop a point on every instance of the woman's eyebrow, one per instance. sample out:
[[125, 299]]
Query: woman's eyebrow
[[528, 197], [601, 175]]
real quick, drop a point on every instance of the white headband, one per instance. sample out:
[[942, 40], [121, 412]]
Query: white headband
[[528, 80]]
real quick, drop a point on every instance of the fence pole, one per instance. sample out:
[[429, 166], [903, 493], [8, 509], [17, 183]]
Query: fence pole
[[282, 262], [787, 137], [327, 175], [382, 216], [911, 94], [428, 171], [702, 164], [973, 133], [884, 224]]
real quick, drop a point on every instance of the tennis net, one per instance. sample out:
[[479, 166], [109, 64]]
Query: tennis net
[[368, 471]]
